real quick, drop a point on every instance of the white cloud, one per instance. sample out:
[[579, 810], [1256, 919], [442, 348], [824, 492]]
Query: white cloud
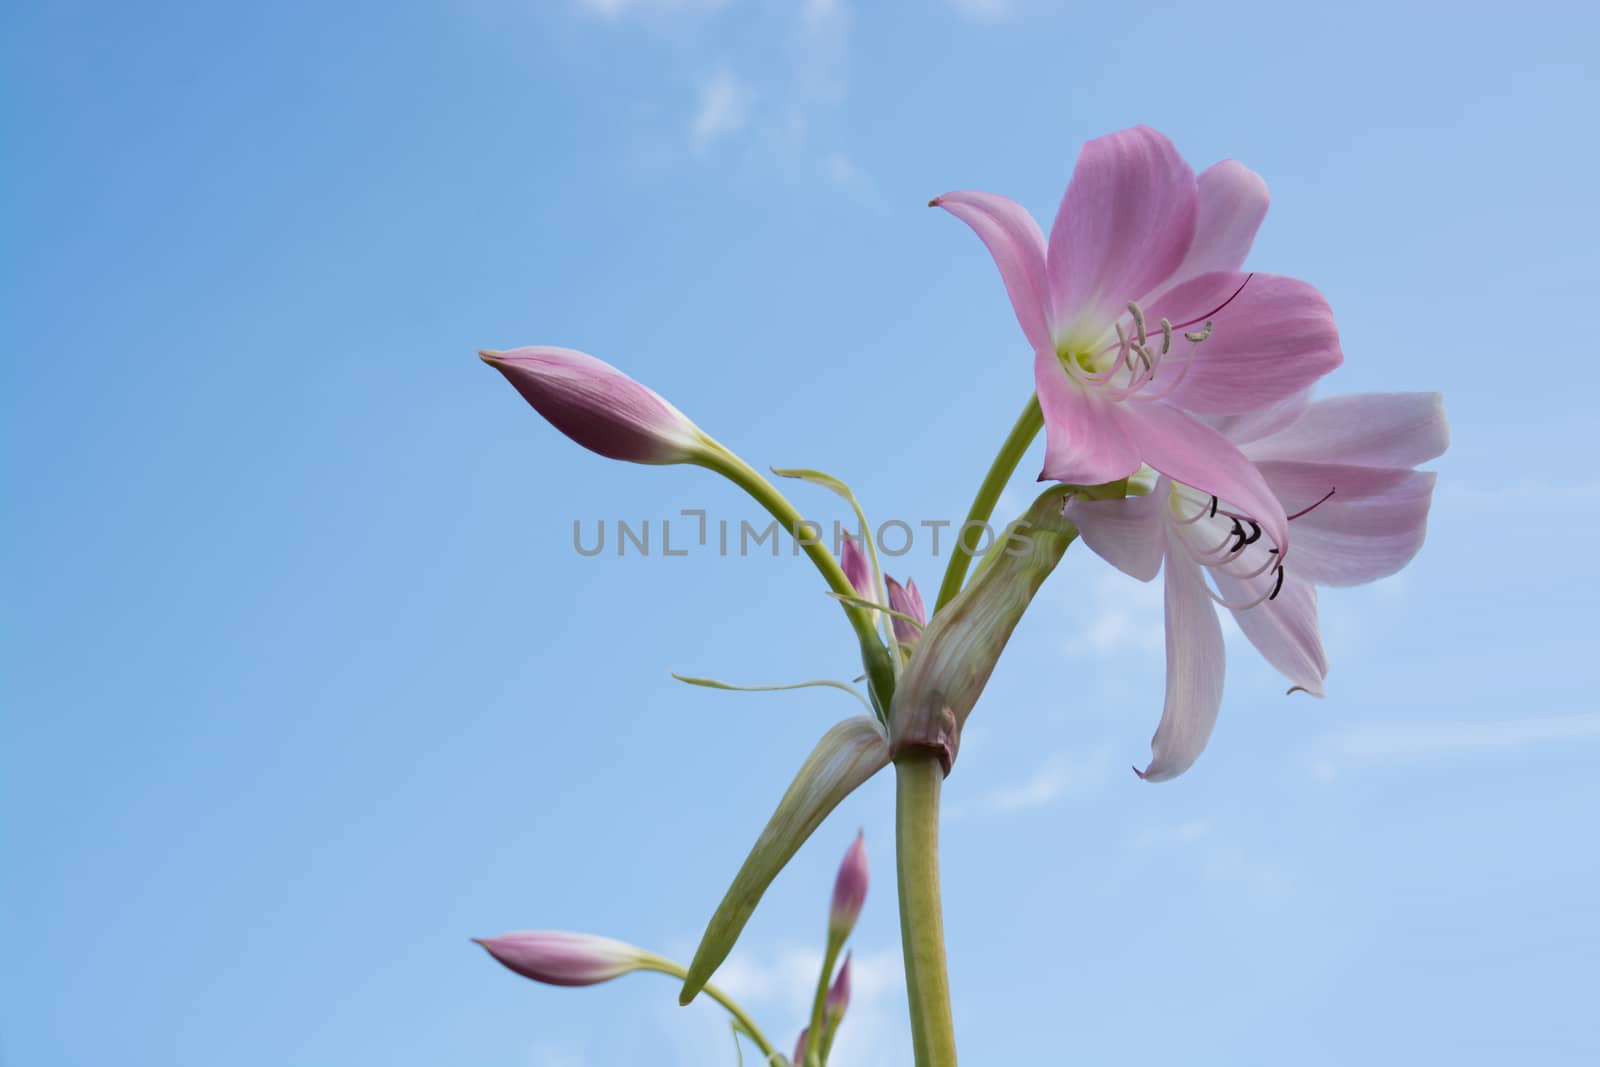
[[723, 110], [1183, 833], [1388, 743], [615, 9], [1220, 860], [1125, 617], [1058, 776]]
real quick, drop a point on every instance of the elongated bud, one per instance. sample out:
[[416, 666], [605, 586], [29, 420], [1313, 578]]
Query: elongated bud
[[555, 957], [598, 406], [800, 1047], [907, 600], [839, 993], [849, 891], [857, 568]]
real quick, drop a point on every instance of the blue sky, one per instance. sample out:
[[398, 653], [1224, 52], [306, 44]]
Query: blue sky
[[304, 684]]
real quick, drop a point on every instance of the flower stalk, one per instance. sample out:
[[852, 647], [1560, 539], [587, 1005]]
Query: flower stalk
[[918, 780]]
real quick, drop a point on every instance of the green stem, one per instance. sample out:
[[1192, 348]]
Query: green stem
[[1000, 471], [918, 778], [874, 656], [816, 1052], [666, 966]]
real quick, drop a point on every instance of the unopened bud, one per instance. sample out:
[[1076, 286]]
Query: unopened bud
[[858, 569], [556, 957], [849, 891], [907, 600], [839, 993]]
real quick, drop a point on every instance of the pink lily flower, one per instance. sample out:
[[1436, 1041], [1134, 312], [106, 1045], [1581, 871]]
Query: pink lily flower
[[1140, 318], [1342, 470]]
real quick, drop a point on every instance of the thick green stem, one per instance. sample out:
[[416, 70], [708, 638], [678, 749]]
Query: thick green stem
[[666, 966], [918, 778], [1000, 471], [874, 655]]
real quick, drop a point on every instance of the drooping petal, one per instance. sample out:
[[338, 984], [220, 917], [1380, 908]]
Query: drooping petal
[[1372, 525], [1283, 629], [1271, 338], [1124, 226], [1017, 245], [1364, 430], [1232, 201], [1188, 451], [598, 406], [1194, 669], [1128, 533], [1085, 442], [907, 600]]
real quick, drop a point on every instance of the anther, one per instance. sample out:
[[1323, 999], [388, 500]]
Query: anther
[[1138, 320], [1197, 337], [1277, 588], [1213, 507], [1255, 532], [1238, 531], [1166, 336]]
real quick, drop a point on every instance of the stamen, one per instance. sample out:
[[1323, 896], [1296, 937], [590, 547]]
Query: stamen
[[1213, 507], [1166, 336], [1278, 585], [1198, 336], [1255, 532], [1313, 507], [1138, 320]]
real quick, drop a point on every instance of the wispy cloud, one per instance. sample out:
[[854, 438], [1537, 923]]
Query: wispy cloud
[[987, 10], [1061, 774], [1389, 743], [1219, 859], [614, 9], [723, 110], [1183, 833]]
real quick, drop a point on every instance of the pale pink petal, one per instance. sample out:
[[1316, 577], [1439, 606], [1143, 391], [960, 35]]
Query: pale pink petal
[[1364, 430], [1370, 527], [1262, 422], [1085, 441], [1194, 669], [1125, 224], [1232, 202], [1283, 629], [1271, 338], [1017, 245], [1188, 451], [1128, 533]]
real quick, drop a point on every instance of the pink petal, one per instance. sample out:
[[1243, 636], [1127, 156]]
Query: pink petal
[[907, 600], [1017, 245], [1129, 533], [1364, 430], [1262, 422], [1194, 669], [1232, 201], [1124, 225], [557, 957], [1370, 527], [1188, 451], [1272, 337], [1085, 440], [1283, 629]]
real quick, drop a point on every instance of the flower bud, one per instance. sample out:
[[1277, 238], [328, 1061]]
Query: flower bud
[[598, 406], [800, 1048], [559, 958], [839, 993], [858, 569], [907, 600], [849, 891]]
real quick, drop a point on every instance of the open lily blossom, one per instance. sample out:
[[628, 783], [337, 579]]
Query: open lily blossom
[[1342, 469], [1140, 317]]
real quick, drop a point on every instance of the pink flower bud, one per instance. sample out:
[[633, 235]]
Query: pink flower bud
[[559, 958], [839, 993], [857, 569], [849, 891], [907, 600], [598, 406], [800, 1048]]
